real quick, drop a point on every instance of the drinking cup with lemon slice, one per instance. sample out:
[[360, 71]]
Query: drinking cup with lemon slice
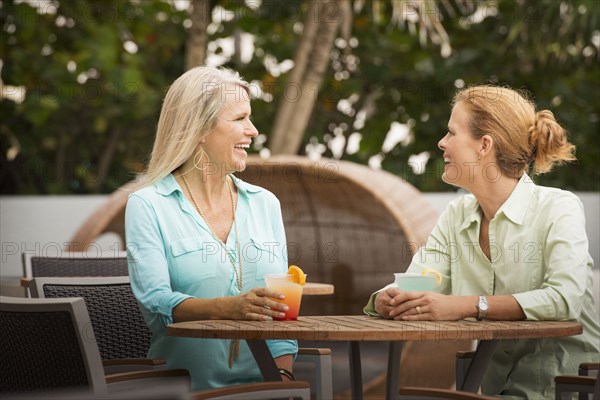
[[290, 285], [427, 280]]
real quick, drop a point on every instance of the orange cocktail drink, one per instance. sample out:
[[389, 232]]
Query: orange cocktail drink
[[292, 291]]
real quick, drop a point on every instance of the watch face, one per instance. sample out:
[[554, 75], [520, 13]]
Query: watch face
[[483, 306]]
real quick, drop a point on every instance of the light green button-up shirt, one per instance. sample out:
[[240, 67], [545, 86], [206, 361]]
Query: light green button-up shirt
[[539, 254], [173, 256]]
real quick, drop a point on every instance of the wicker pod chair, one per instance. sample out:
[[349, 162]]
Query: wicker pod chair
[[346, 224]]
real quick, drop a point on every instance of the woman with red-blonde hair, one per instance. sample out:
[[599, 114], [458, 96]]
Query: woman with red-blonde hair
[[510, 250]]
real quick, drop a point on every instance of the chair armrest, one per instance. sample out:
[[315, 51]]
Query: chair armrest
[[130, 376], [586, 368], [322, 384], [119, 365], [309, 351], [136, 361], [465, 354], [176, 379], [575, 380], [407, 392], [258, 390]]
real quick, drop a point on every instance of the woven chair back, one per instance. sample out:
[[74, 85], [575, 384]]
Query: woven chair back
[[45, 345], [114, 312], [75, 264]]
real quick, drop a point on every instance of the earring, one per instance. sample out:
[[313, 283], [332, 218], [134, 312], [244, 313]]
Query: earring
[[478, 157], [197, 160]]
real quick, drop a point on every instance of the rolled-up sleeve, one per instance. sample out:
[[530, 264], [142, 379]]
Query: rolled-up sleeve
[[567, 259], [280, 348], [148, 267]]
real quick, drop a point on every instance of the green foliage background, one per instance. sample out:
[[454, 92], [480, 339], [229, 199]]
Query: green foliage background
[[92, 135]]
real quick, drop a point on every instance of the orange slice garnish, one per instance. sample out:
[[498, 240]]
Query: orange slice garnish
[[297, 274], [438, 276]]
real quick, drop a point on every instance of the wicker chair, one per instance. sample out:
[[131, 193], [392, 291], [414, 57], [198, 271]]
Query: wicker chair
[[346, 224], [121, 333], [75, 264], [131, 357], [47, 344], [585, 384]]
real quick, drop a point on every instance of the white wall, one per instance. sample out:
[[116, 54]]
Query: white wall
[[44, 224]]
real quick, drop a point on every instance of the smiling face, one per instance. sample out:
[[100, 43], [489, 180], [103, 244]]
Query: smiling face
[[233, 133], [460, 149]]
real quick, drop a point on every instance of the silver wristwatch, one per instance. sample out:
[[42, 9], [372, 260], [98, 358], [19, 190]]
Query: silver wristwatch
[[482, 307]]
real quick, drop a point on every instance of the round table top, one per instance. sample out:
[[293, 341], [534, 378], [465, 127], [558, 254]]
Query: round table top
[[363, 328]]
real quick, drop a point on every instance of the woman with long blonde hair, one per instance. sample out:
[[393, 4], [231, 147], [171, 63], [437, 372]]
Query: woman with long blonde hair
[[199, 239]]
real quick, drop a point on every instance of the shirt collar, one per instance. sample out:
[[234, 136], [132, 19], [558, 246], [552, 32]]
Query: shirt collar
[[167, 185], [515, 207], [471, 213], [244, 187]]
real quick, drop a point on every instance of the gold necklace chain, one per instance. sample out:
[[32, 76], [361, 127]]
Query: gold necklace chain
[[239, 277]]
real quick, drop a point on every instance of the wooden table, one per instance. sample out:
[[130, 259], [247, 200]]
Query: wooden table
[[357, 328]]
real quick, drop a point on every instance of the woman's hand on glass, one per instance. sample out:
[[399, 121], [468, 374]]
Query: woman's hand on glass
[[257, 304], [427, 306], [382, 301]]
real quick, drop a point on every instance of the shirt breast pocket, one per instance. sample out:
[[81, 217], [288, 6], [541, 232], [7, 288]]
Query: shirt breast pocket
[[193, 259], [266, 257]]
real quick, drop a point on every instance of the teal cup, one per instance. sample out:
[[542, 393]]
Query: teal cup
[[415, 281]]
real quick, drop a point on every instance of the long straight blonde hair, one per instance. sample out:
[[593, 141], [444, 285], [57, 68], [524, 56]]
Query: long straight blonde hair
[[189, 113]]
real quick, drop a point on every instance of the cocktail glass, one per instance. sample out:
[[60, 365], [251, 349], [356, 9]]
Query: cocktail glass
[[290, 289]]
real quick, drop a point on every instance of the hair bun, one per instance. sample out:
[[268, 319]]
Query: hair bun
[[544, 117], [549, 142]]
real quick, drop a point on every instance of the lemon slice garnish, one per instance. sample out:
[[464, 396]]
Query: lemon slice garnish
[[297, 274], [438, 276]]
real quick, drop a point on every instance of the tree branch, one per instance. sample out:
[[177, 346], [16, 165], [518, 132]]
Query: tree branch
[[310, 63], [197, 39]]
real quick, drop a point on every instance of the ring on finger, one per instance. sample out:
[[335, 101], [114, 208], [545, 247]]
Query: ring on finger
[[418, 308]]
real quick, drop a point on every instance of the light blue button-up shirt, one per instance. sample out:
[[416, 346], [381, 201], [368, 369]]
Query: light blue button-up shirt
[[173, 256], [539, 255]]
